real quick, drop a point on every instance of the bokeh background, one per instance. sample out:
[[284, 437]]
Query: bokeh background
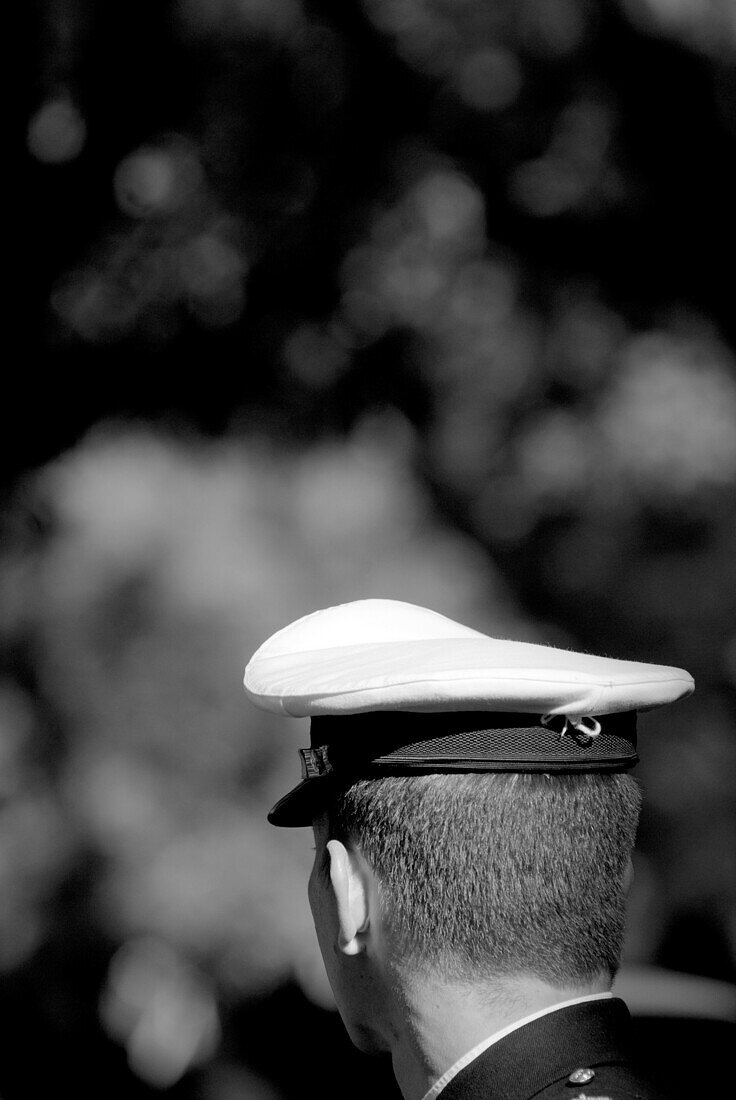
[[421, 299]]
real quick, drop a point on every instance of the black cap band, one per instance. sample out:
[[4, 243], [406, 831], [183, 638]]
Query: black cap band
[[390, 742], [377, 743]]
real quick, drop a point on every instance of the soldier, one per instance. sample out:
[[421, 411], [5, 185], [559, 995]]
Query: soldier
[[474, 822]]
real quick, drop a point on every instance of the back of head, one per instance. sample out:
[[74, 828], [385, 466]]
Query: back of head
[[497, 875]]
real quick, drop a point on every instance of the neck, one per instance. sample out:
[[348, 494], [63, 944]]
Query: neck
[[437, 1022]]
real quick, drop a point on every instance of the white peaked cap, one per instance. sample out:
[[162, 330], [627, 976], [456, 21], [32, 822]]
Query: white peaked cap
[[392, 688], [388, 655]]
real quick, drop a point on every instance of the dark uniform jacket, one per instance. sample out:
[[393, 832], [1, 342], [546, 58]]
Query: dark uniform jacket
[[576, 1053]]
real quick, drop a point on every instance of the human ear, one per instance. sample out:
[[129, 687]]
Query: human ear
[[348, 878]]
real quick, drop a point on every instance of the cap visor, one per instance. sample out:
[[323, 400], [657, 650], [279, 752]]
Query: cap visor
[[301, 805]]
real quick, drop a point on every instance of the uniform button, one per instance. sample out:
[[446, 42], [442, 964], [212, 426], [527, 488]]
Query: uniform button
[[581, 1076]]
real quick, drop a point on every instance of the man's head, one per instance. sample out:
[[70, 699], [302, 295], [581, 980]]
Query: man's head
[[510, 888], [474, 819]]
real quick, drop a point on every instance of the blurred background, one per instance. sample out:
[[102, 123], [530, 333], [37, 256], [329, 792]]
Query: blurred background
[[421, 299]]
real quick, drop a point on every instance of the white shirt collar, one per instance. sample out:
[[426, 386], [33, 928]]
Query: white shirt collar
[[471, 1055]]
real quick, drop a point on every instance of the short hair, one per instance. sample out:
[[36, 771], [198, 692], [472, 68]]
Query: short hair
[[485, 875]]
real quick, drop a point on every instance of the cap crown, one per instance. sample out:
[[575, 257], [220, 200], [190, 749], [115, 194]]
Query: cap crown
[[372, 655]]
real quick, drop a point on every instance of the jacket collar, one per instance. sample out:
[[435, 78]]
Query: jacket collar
[[544, 1051]]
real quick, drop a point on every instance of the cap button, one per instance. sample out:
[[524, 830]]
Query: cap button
[[581, 1076]]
